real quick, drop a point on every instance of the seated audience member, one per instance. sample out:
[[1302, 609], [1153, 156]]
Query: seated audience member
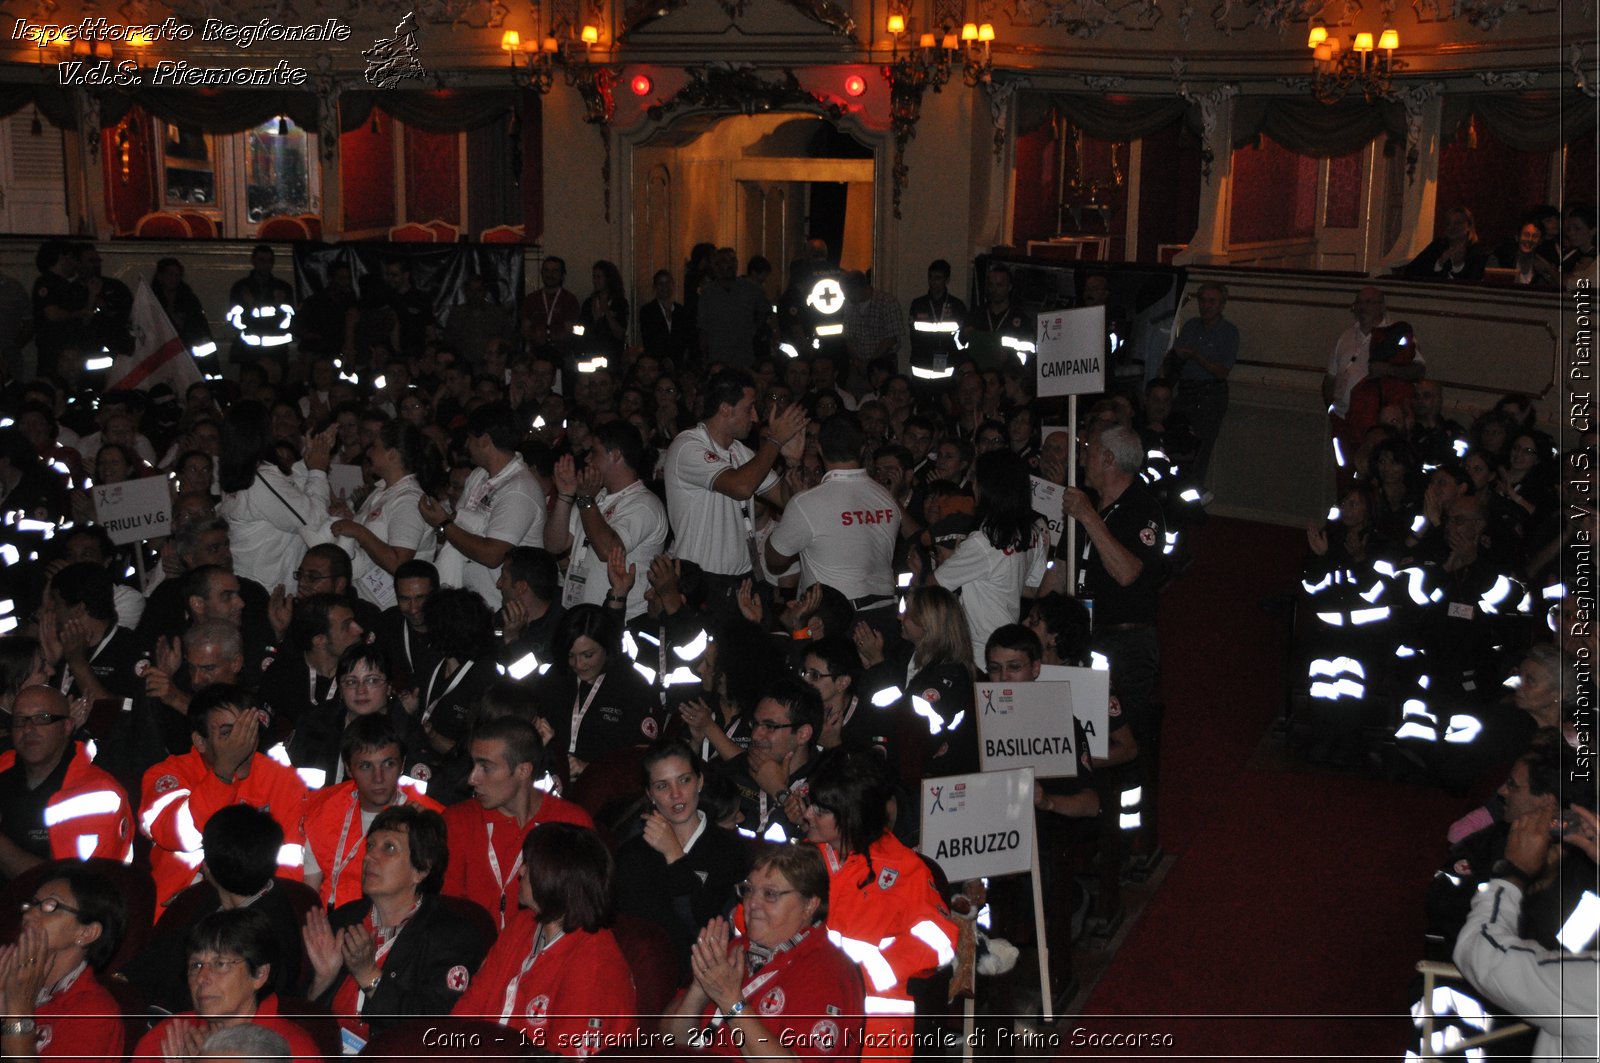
[[372, 757], [387, 528], [770, 775], [735, 669], [301, 681], [51, 995], [780, 982], [399, 950], [486, 833], [241, 846], [362, 681], [461, 630], [940, 690], [1551, 988], [79, 624], [556, 973], [181, 793], [530, 584], [593, 700], [91, 544], [403, 628], [1578, 264], [229, 958], [882, 901], [1457, 255], [172, 603], [680, 871], [54, 803]]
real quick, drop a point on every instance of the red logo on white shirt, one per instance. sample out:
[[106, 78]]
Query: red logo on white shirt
[[710, 457]]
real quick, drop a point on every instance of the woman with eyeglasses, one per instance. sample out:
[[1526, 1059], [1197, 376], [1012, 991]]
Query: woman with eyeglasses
[[781, 989], [593, 700], [230, 955], [882, 901], [556, 973], [362, 680], [680, 871], [400, 950], [51, 998], [388, 530]]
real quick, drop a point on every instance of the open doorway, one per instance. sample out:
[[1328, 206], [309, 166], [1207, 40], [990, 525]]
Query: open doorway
[[761, 184]]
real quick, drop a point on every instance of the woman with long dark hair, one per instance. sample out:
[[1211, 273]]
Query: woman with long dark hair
[[388, 528], [592, 698], [883, 908], [605, 313], [183, 307], [1004, 557], [274, 513]]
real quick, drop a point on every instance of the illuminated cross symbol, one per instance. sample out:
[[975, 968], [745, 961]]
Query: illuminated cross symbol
[[827, 296]]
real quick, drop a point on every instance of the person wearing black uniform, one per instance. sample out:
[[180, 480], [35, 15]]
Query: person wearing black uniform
[[96, 657], [403, 628], [666, 327], [593, 700], [61, 306], [302, 680], [771, 776], [1120, 541], [412, 307], [530, 612], [461, 629], [256, 305], [996, 319], [935, 320]]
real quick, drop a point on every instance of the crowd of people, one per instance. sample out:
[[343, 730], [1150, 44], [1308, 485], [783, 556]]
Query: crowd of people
[[488, 648], [1549, 250]]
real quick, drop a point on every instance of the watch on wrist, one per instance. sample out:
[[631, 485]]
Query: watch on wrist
[[23, 1027], [1505, 869], [736, 1008]]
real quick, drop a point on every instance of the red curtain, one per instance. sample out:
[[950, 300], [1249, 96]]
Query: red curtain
[[1496, 182], [366, 171], [433, 176], [1274, 194]]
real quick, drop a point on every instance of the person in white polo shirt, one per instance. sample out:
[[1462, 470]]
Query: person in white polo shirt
[[502, 505], [844, 529], [711, 479], [604, 507]]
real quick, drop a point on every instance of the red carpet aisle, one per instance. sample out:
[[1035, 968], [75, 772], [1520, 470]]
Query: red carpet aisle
[[1291, 919]]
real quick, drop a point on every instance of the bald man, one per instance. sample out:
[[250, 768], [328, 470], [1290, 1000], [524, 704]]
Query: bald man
[[54, 803]]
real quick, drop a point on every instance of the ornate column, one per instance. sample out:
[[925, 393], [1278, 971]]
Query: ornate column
[[1210, 240], [1424, 131]]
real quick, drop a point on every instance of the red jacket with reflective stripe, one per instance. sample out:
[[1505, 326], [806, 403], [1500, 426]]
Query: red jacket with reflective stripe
[[898, 920], [324, 819], [180, 795], [90, 815]]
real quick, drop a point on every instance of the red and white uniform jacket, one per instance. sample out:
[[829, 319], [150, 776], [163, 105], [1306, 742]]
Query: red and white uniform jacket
[[180, 795], [90, 815], [486, 851], [894, 925], [335, 841], [79, 1021], [809, 998], [574, 999]]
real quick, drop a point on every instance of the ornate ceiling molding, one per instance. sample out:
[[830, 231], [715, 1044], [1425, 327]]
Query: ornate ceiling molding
[[836, 18], [739, 89], [1086, 18], [1510, 79]]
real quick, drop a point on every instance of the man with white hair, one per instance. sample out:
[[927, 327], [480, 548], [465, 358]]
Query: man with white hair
[[1120, 565]]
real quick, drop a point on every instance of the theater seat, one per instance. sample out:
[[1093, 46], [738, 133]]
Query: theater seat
[[282, 228], [412, 233], [503, 234], [648, 950], [159, 225]]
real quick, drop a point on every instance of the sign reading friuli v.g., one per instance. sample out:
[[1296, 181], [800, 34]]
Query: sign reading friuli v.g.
[[977, 825], [134, 509]]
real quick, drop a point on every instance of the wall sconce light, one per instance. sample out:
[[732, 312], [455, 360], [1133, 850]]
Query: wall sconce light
[[1360, 67]]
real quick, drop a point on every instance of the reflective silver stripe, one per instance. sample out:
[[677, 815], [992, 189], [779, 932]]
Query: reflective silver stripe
[[148, 818], [93, 803], [932, 935], [889, 1006]]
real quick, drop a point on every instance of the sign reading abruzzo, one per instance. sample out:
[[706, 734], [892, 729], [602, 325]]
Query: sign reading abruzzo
[[1026, 725], [1072, 352], [976, 825]]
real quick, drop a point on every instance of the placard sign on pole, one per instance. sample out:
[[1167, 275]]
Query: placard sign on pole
[[345, 480], [1091, 701], [1047, 503], [1072, 352], [1026, 725], [134, 509], [977, 825]]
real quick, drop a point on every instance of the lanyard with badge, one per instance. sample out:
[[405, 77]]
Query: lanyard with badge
[[494, 869], [540, 946], [1088, 544], [67, 678], [580, 711], [455, 681]]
